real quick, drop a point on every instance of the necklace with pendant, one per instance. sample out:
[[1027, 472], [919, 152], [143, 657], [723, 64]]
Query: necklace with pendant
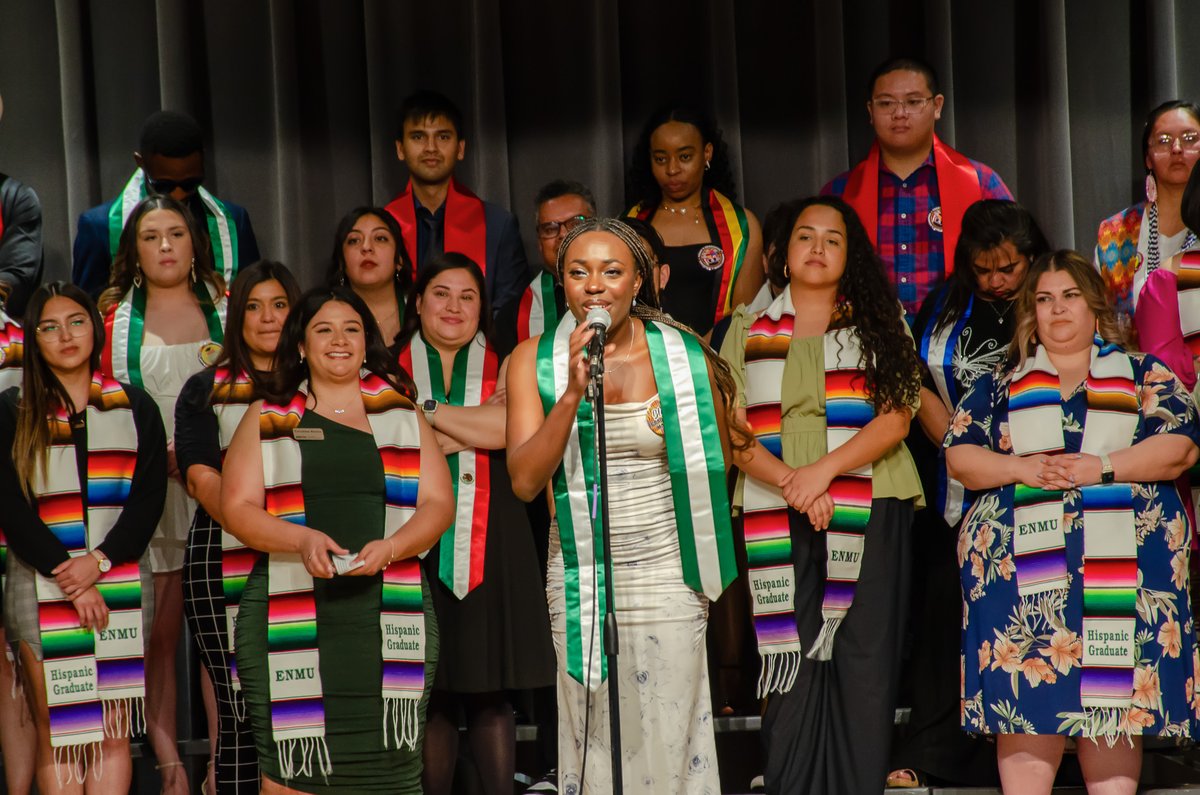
[[683, 211], [1001, 315]]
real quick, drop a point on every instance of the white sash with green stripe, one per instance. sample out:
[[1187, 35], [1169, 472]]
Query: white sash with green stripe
[[222, 232], [126, 329], [697, 470]]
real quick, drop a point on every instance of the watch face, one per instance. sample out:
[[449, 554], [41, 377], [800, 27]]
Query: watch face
[[429, 405], [105, 565]]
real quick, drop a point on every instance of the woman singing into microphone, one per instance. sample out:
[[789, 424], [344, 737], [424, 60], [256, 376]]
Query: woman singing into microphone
[[666, 399]]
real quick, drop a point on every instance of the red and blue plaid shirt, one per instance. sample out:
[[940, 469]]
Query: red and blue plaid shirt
[[906, 240]]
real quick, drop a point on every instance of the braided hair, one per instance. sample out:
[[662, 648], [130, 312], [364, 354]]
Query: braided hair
[[648, 306]]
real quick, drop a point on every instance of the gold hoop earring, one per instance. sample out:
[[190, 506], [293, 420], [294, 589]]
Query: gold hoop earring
[[787, 274]]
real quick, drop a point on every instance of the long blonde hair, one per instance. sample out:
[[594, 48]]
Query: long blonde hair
[[1081, 271]]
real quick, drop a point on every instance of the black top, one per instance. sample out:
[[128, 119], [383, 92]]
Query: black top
[[197, 434], [28, 535], [20, 243], [691, 294]]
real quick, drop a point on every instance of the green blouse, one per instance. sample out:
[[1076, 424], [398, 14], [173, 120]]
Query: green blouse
[[802, 430]]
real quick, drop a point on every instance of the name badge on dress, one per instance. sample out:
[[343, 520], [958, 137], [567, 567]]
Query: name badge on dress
[[308, 434]]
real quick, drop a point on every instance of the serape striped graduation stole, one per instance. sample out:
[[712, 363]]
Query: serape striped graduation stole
[[222, 231], [1188, 280], [124, 331], [297, 701], [12, 351], [231, 395], [89, 674], [473, 381], [538, 309], [768, 538], [1110, 542], [697, 470], [938, 344], [727, 221]]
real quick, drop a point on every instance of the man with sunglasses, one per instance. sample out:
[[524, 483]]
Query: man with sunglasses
[[170, 161], [560, 205], [911, 190], [437, 213]]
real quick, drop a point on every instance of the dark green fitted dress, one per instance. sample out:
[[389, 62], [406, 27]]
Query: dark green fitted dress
[[343, 496]]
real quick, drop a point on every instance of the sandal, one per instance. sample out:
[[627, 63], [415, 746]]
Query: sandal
[[904, 778]]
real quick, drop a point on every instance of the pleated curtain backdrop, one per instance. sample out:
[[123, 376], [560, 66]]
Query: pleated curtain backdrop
[[299, 98]]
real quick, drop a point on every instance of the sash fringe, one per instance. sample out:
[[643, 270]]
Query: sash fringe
[[778, 672], [124, 722], [822, 648], [1108, 720], [310, 749], [239, 705], [400, 715], [74, 759]]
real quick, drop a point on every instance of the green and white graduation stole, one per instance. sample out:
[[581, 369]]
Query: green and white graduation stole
[[1035, 421], [538, 309], [222, 231], [697, 470], [462, 546], [90, 674], [293, 661], [768, 538], [124, 327], [231, 396]]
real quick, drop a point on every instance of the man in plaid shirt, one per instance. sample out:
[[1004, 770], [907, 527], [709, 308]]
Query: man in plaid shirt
[[911, 190]]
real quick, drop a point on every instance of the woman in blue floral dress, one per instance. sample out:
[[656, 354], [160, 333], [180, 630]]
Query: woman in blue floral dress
[[1074, 421]]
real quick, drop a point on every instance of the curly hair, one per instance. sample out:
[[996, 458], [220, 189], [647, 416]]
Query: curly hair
[[643, 189], [864, 293], [647, 306]]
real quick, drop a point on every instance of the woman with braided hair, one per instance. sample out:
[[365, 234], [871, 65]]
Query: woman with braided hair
[[827, 508], [666, 399]]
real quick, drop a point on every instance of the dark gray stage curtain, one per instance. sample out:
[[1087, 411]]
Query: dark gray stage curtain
[[299, 98]]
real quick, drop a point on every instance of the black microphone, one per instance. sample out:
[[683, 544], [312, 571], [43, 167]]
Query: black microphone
[[600, 320]]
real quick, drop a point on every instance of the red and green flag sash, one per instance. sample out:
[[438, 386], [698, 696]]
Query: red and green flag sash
[[1110, 574], [697, 470], [297, 701], [848, 409], [222, 231], [12, 351], [473, 380], [727, 222], [465, 225], [90, 675], [538, 309], [958, 189], [231, 396], [124, 327]]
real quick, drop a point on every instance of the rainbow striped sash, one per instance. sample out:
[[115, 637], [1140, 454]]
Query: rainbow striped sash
[[1110, 543], [727, 222], [768, 536], [696, 467], [473, 380], [222, 232], [89, 674], [12, 350], [538, 309], [230, 398], [297, 700]]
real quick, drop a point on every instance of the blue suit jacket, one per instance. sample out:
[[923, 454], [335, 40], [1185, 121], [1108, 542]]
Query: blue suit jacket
[[91, 260]]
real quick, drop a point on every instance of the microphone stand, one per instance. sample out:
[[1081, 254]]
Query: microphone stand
[[596, 396]]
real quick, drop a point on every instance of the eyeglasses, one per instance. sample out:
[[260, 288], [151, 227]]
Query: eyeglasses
[[75, 327], [166, 186], [1188, 142], [912, 105], [550, 229]]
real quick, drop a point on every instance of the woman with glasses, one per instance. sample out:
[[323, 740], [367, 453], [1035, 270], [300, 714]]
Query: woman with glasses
[[682, 184], [1135, 242], [369, 259], [164, 316], [82, 483]]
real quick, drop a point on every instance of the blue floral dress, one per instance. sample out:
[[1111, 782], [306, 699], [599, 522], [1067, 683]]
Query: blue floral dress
[[1021, 667]]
